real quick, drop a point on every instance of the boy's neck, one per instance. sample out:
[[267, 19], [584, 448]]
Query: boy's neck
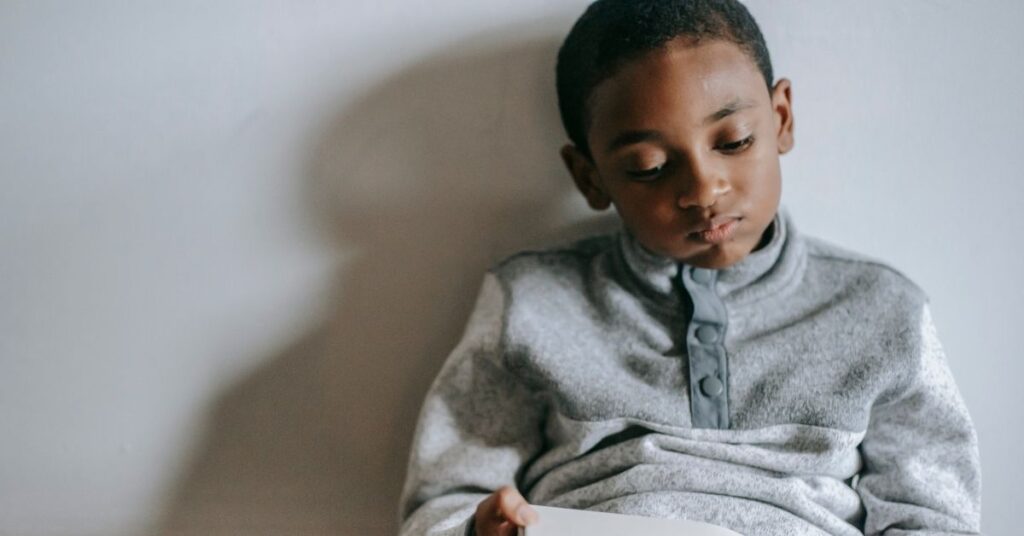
[[766, 237]]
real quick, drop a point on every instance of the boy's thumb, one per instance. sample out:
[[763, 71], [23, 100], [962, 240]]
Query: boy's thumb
[[526, 515]]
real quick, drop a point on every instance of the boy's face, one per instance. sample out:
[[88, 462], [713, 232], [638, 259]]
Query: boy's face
[[685, 142]]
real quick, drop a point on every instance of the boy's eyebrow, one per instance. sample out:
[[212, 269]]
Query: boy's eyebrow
[[630, 137], [732, 107]]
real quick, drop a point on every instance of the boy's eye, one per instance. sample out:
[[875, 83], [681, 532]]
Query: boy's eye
[[646, 174], [736, 146]]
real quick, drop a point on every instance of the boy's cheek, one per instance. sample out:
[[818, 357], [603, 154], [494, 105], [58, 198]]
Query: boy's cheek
[[654, 217]]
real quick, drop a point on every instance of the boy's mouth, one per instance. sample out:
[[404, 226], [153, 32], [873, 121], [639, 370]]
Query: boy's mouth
[[716, 231]]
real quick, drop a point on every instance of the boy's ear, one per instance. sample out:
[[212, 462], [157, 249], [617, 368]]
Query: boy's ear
[[782, 106], [584, 174]]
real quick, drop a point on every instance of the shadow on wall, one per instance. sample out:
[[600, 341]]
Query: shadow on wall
[[430, 178]]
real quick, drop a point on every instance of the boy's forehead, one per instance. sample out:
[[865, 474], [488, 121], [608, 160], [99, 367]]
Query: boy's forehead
[[682, 80]]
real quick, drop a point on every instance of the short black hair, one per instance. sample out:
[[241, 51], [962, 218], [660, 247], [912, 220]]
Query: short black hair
[[611, 32]]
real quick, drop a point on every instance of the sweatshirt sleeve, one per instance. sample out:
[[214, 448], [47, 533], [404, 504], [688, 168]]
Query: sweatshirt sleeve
[[478, 427], [921, 472]]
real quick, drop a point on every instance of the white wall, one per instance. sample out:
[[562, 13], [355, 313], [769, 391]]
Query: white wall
[[237, 239]]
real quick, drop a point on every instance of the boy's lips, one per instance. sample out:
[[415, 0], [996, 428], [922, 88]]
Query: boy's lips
[[716, 230]]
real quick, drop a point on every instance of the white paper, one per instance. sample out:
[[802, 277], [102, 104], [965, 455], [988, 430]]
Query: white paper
[[566, 522]]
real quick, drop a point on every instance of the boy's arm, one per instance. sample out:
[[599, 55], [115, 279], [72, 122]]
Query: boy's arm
[[478, 426], [921, 471]]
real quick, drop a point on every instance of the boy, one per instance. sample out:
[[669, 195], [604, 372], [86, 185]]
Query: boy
[[706, 362]]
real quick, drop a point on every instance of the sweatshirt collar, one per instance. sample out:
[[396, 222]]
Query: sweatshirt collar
[[761, 273]]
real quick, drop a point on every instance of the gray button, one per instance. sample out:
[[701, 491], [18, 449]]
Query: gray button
[[712, 386], [701, 275], [707, 334]]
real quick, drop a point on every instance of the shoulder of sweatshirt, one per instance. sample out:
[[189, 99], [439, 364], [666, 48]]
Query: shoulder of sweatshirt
[[860, 270], [556, 264]]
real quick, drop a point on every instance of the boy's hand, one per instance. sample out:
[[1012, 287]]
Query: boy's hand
[[502, 513]]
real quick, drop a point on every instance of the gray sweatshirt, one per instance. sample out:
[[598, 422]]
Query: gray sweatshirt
[[801, 391]]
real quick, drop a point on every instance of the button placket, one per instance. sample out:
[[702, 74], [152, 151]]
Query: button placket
[[708, 364]]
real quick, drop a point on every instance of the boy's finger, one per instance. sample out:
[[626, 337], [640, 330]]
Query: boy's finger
[[488, 518], [513, 507], [503, 511]]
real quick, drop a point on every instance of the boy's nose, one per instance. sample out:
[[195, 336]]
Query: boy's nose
[[702, 187]]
